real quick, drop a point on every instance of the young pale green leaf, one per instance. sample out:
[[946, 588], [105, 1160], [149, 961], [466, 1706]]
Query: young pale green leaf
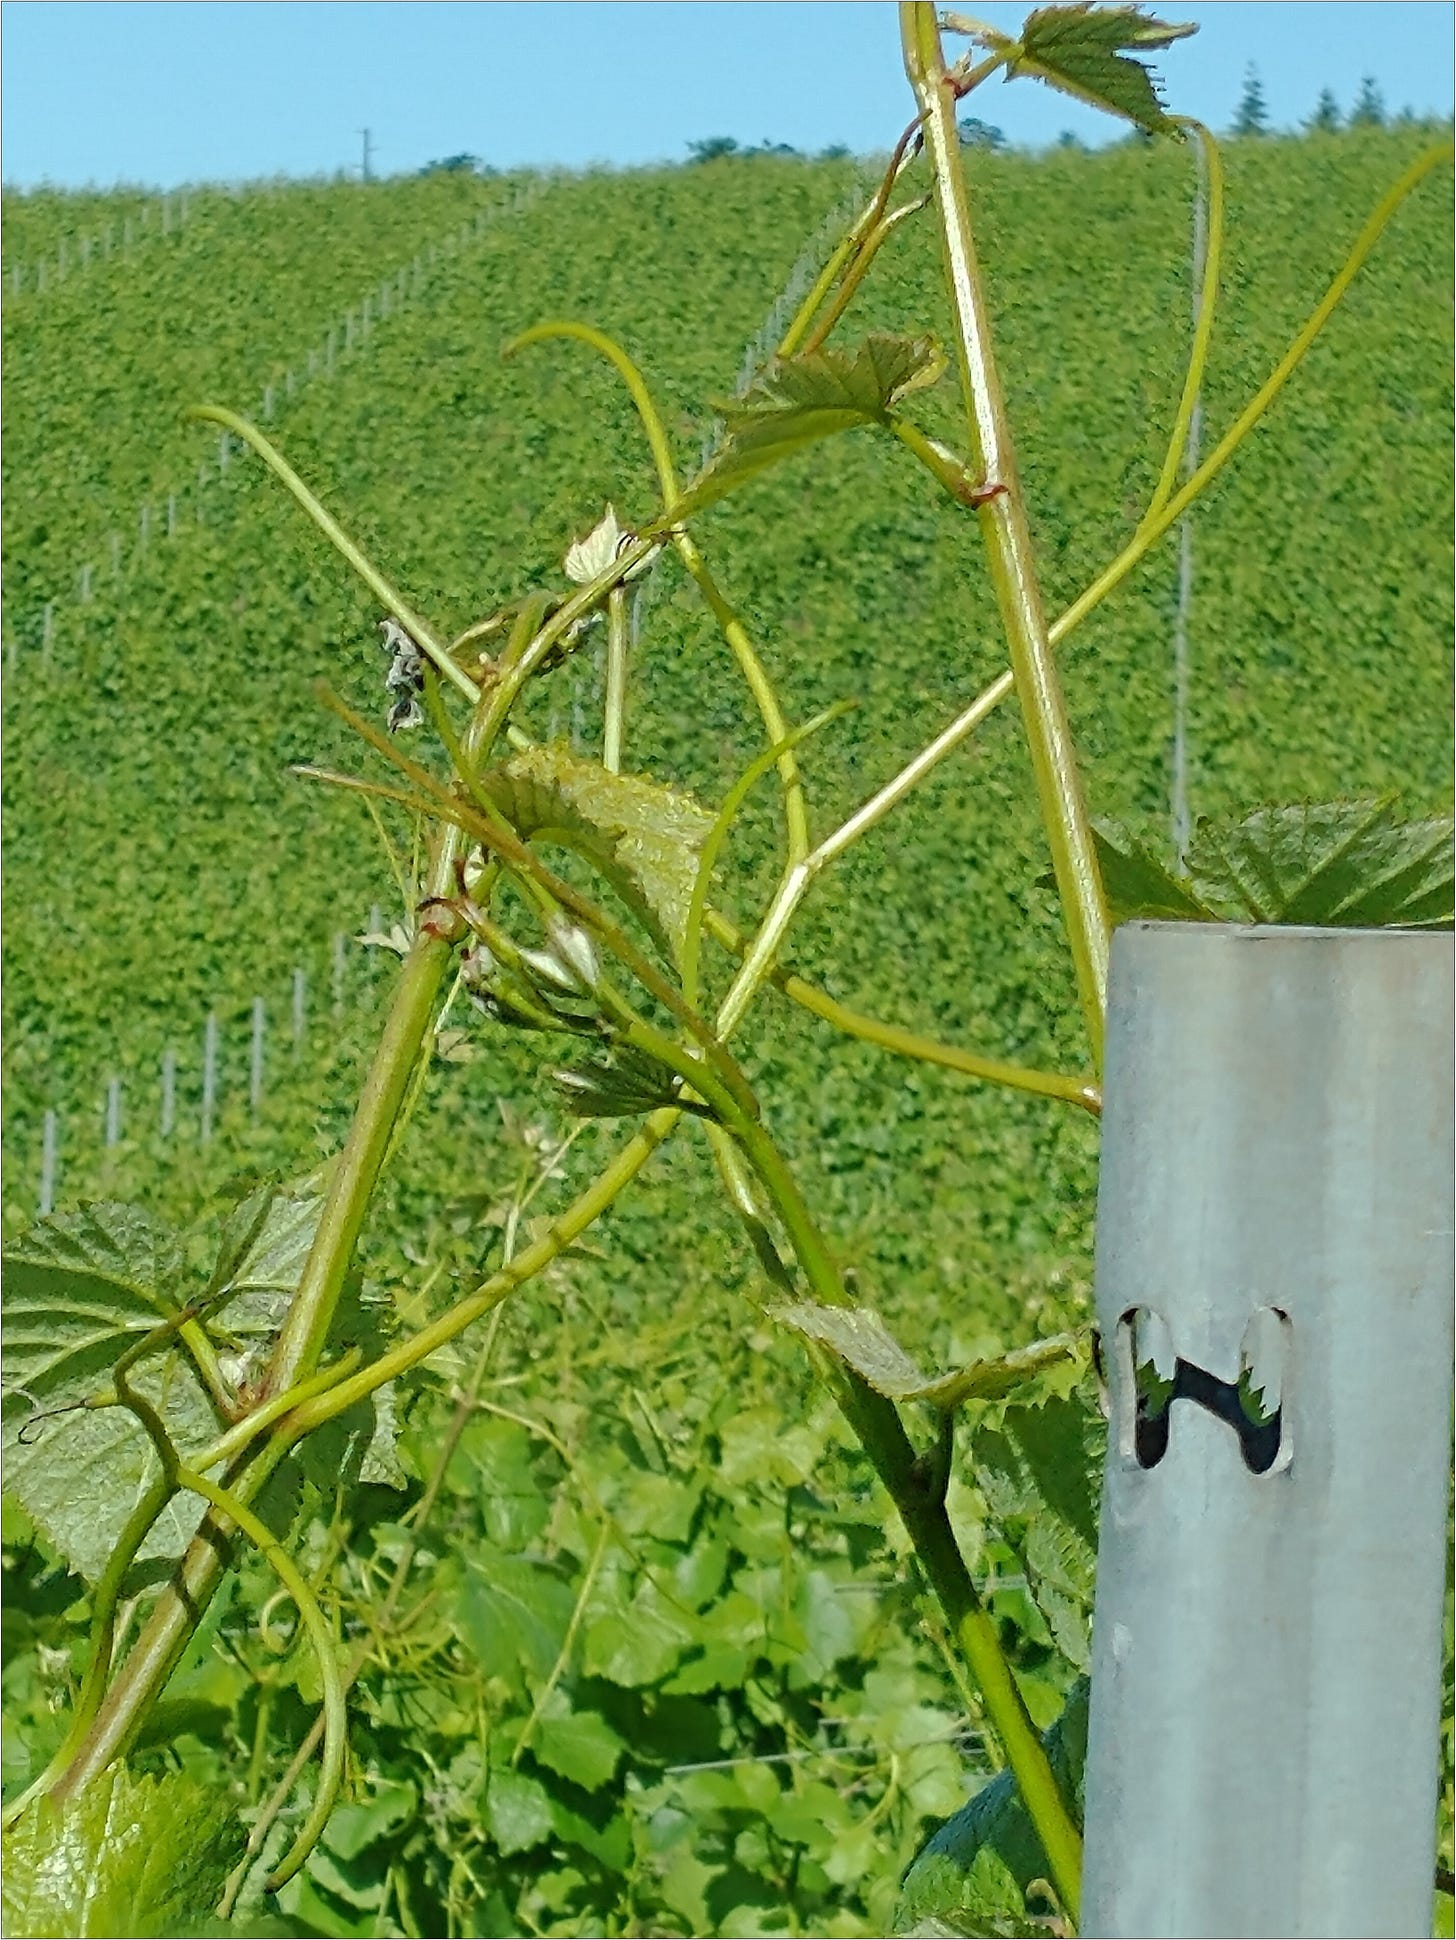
[[973, 1875], [859, 1338], [644, 838], [126, 1856], [79, 1290], [1087, 51], [799, 400], [1348, 865]]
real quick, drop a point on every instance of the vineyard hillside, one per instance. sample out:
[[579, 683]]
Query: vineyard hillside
[[167, 611]]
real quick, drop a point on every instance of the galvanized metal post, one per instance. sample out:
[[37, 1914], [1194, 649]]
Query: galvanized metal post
[[255, 1057], [50, 1141], [209, 1078], [1274, 1291]]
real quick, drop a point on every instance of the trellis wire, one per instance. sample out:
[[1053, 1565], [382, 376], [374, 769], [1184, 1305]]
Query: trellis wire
[[1178, 806], [209, 1078]]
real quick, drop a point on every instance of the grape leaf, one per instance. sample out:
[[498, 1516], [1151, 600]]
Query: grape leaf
[[1332, 864], [973, 1874], [127, 1856], [1039, 1473], [1085, 51], [517, 1811], [1136, 884], [644, 838], [578, 1745], [859, 1338], [79, 1289], [799, 400]]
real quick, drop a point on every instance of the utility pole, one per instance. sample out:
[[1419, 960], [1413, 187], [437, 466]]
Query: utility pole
[[368, 150]]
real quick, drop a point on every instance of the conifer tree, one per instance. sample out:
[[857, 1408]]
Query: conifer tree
[[1252, 117], [1326, 117], [1369, 108]]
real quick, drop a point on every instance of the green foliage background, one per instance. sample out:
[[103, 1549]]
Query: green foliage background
[[748, 1729]]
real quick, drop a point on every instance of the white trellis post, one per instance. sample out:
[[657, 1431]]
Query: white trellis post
[[339, 962], [113, 1112], [169, 1091], [85, 587], [49, 1142], [255, 1058], [209, 1077], [47, 632], [115, 540], [1274, 1293], [171, 515], [300, 1014]]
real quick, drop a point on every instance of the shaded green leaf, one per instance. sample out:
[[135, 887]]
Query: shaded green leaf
[[79, 1290], [128, 1856], [645, 839], [1136, 884], [577, 1745], [1040, 1475], [972, 1876], [799, 400], [1330, 864], [513, 1611], [640, 1644], [353, 1828], [517, 1811], [625, 1084]]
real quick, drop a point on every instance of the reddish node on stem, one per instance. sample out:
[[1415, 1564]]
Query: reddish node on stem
[[979, 495]]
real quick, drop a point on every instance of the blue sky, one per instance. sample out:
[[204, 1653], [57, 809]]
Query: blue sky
[[162, 92]]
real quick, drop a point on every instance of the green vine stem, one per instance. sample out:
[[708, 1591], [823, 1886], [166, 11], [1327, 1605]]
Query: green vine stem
[[877, 1424], [179, 1607], [384, 592], [891, 1037], [731, 626], [1149, 533], [858, 270], [1006, 534], [331, 1681], [850, 243]]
